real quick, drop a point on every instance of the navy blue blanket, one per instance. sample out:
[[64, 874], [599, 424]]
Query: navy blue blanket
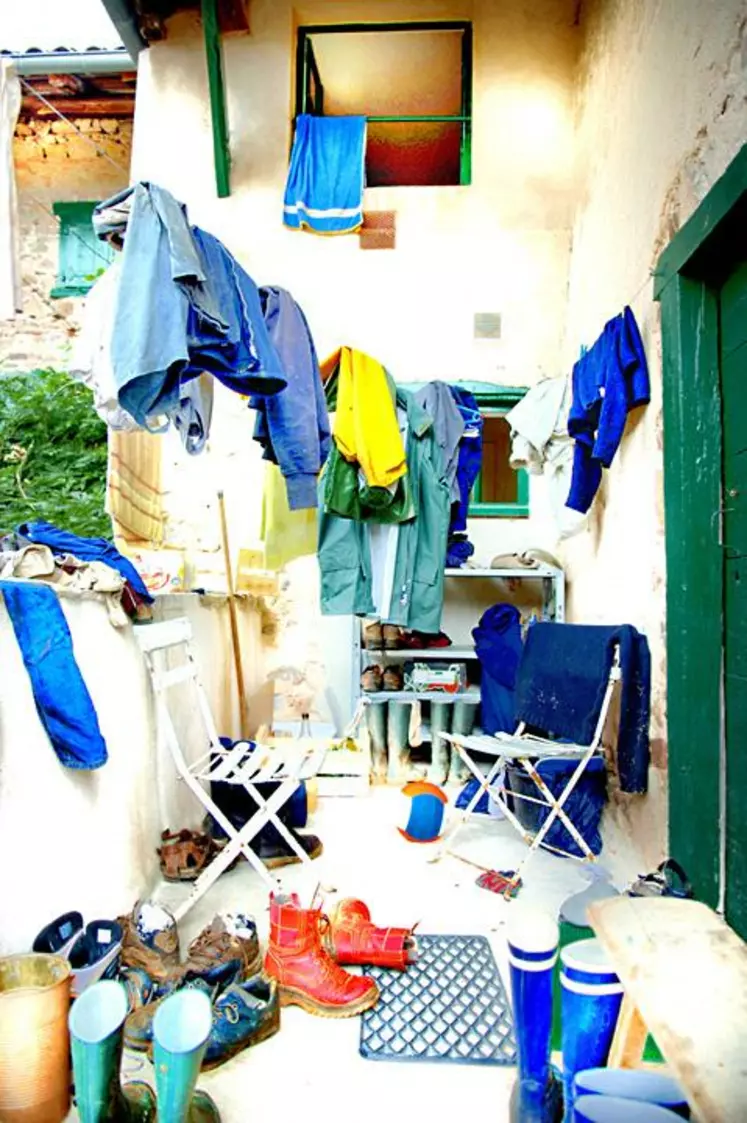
[[561, 683], [498, 647]]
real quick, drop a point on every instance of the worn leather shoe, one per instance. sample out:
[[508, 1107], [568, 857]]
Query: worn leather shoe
[[243, 1014], [227, 949], [150, 940]]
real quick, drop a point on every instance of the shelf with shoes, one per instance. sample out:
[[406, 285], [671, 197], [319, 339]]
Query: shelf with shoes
[[380, 652]]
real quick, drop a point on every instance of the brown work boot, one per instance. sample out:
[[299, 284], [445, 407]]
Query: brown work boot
[[227, 941], [150, 940], [306, 974]]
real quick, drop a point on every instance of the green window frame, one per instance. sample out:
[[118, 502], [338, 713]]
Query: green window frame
[[310, 91], [496, 401], [82, 257]]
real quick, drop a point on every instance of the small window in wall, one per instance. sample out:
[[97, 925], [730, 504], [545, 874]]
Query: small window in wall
[[499, 490], [82, 257], [413, 81]]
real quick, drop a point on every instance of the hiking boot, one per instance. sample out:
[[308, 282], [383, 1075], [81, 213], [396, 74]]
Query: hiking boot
[[306, 974], [354, 939], [150, 940], [138, 1026], [371, 679], [243, 1014], [393, 678], [227, 949]]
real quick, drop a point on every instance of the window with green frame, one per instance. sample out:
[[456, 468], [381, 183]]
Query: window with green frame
[[82, 257], [499, 491], [413, 83]]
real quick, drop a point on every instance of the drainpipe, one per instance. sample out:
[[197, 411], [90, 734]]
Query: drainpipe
[[71, 62], [214, 58], [122, 15]]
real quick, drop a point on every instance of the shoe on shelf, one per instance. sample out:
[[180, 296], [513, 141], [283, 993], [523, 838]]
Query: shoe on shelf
[[150, 940], [425, 640], [353, 939], [393, 679], [306, 974], [392, 637], [95, 955], [58, 937], [371, 679], [227, 949], [373, 638]]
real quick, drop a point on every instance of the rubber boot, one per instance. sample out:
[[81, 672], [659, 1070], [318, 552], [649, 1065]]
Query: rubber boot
[[181, 1029], [306, 974], [533, 951], [463, 722], [398, 741], [354, 939], [96, 1020], [438, 773], [376, 720]]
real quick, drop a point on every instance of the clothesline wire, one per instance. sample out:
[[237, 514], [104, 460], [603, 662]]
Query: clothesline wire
[[100, 151]]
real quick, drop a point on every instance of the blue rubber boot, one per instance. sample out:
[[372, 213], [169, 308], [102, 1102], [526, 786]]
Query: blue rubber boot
[[181, 1028], [95, 1022], [537, 1096]]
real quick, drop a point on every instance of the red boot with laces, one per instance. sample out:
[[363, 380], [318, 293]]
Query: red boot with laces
[[353, 938], [306, 974]]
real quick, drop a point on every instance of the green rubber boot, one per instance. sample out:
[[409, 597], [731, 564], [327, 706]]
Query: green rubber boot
[[181, 1028], [95, 1022]]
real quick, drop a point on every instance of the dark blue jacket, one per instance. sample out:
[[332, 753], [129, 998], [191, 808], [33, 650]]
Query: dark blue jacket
[[609, 380], [498, 646]]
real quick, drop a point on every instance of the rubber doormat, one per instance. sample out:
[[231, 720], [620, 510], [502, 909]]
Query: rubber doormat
[[448, 1006]]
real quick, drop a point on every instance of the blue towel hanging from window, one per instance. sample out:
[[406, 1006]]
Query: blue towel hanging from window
[[326, 177]]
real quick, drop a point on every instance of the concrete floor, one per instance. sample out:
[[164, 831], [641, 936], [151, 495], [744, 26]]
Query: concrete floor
[[311, 1070]]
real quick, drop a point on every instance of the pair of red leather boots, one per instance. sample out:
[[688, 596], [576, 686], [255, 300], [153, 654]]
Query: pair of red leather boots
[[308, 952]]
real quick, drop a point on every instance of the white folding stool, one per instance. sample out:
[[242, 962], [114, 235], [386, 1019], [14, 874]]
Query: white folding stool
[[242, 764], [524, 749]]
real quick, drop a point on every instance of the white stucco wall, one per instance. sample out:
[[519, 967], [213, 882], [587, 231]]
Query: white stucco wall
[[499, 245], [661, 112], [87, 840]]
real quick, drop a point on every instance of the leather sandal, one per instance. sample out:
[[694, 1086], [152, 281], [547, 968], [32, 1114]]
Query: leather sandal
[[185, 854]]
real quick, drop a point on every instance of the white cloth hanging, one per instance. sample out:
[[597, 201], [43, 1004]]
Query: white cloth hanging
[[10, 269], [540, 444]]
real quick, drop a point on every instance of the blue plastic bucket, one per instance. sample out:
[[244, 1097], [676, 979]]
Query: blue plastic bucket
[[642, 1085], [591, 996], [611, 1109]]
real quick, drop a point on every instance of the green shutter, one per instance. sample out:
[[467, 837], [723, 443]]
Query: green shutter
[[82, 257]]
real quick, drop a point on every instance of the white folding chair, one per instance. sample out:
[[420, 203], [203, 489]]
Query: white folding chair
[[525, 749], [243, 764]]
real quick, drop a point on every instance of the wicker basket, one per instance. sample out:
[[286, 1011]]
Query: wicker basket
[[34, 1040]]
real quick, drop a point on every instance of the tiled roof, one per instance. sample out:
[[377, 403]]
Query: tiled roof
[[56, 25]]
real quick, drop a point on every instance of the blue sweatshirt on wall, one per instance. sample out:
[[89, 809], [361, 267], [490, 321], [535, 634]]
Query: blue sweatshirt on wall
[[609, 380]]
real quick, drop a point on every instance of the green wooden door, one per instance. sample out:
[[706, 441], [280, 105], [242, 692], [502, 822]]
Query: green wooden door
[[733, 362]]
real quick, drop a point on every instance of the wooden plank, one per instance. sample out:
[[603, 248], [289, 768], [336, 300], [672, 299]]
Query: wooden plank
[[630, 1037], [72, 107], [692, 492], [686, 972]]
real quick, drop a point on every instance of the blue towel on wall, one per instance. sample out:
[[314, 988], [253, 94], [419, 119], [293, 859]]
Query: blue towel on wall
[[326, 177], [561, 684], [60, 693]]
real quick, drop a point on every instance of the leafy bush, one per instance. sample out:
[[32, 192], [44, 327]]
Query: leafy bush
[[52, 454]]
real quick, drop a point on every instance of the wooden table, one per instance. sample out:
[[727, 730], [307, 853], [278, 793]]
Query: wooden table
[[685, 977]]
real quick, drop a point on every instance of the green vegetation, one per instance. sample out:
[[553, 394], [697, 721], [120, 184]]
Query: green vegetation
[[52, 454]]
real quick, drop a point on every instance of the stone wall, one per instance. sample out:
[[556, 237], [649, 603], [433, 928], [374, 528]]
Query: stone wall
[[55, 164]]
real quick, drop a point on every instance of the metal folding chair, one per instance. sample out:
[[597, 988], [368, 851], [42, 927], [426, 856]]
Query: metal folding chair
[[244, 763], [526, 749]]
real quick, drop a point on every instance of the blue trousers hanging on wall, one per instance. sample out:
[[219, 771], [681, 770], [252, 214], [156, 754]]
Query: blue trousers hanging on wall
[[61, 696]]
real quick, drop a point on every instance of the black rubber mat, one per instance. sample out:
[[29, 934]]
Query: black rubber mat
[[450, 1005]]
